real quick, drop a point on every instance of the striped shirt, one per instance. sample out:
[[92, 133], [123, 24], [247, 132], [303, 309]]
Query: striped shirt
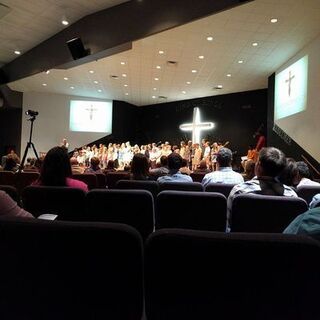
[[223, 175]]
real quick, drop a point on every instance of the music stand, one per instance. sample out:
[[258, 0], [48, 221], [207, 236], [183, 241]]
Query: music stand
[[29, 143]]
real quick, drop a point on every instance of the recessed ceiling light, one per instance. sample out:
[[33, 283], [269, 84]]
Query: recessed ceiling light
[[210, 38], [154, 89], [71, 88], [124, 75], [125, 85], [156, 79], [65, 78], [47, 72], [44, 84], [194, 71], [274, 20], [188, 82], [126, 93], [17, 52], [201, 57], [91, 71], [219, 86], [158, 67], [65, 22], [122, 62], [240, 61], [161, 52], [153, 97], [254, 44], [99, 90], [229, 75], [95, 81], [184, 92]]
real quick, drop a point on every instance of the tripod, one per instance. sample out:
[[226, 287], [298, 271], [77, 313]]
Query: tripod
[[29, 145]]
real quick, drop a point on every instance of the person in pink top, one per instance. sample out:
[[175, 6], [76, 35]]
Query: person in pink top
[[56, 171]]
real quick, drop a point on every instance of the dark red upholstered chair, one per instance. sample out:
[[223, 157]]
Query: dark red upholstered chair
[[90, 179]]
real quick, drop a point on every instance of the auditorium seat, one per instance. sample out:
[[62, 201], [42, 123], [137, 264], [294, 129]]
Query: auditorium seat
[[197, 177], [308, 192], [181, 186], [211, 275], [7, 178], [12, 192], [132, 207], [113, 177], [102, 183], [151, 186], [89, 179], [24, 179], [191, 210], [67, 270], [67, 203], [260, 213], [223, 188]]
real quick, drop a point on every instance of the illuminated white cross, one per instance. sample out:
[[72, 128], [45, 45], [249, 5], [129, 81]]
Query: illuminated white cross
[[91, 110], [196, 126], [289, 82]]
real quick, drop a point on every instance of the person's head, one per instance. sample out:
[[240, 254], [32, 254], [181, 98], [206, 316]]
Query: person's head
[[303, 170], [224, 157], [289, 174], [110, 165], [202, 165], [184, 163], [249, 169], [270, 163], [55, 167], [74, 161], [95, 163], [10, 164], [174, 161], [139, 166], [164, 161]]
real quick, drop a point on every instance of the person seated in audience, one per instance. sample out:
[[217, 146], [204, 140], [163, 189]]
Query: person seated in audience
[[202, 167], [162, 169], [174, 175], [75, 168], [56, 171], [10, 208], [94, 166], [110, 167], [307, 223], [315, 202], [270, 164], [139, 167], [185, 168], [304, 176], [224, 172], [289, 174], [249, 170], [10, 164]]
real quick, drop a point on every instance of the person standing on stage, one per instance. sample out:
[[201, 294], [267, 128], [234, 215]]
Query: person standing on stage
[[65, 144]]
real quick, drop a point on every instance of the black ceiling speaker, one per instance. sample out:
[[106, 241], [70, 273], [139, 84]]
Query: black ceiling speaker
[[77, 49]]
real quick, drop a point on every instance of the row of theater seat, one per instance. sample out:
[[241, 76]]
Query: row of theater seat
[[93, 271], [170, 209]]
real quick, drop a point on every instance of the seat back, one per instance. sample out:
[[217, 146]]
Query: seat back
[[181, 186], [67, 270], [197, 176], [308, 192], [113, 177], [211, 275], [260, 213], [67, 203], [132, 207], [24, 179], [191, 210], [102, 183], [151, 186], [7, 178], [223, 188], [12, 192], [90, 179]]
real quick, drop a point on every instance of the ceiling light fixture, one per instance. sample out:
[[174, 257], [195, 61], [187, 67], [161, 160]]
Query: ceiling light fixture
[[154, 89], [201, 57], [96, 82], [229, 75], [71, 88], [124, 75], [91, 71], [161, 52], [123, 63], [153, 97], [184, 92], [65, 22], [274, 20], [156, 79], [17, 52], [210, 38], [125, 85], [194, 71], [158, 67], [219, 86], [47, 72], [99, 90], [126, 93], [188, 82], [240, 61], [44, 84], [65, 78], [254, 44]]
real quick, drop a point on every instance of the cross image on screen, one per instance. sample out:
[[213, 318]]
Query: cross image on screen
[[90, 116]]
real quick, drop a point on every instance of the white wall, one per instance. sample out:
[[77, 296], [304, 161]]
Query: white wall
[[304, 127], [52, 123]]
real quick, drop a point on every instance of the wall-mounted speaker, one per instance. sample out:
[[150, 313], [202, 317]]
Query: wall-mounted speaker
[[77, 49]]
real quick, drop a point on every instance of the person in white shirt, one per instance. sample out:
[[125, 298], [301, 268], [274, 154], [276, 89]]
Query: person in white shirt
[[303, 177]]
